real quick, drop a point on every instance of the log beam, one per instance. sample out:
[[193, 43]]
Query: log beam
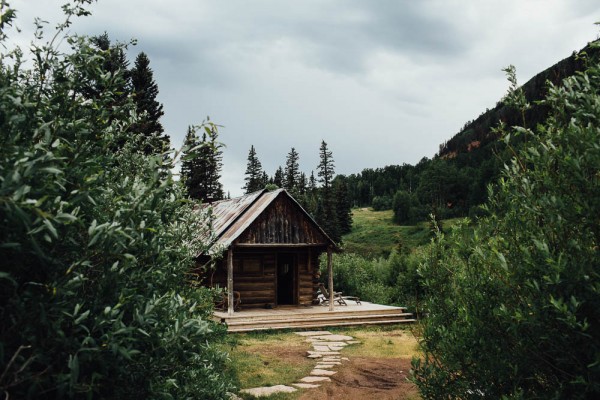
[[330, 273], [230, 304]]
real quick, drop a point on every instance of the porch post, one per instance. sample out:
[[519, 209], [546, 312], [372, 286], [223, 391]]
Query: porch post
[[330, 273], [230, 281]]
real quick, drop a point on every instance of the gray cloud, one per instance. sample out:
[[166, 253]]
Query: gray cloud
[[382, 81]]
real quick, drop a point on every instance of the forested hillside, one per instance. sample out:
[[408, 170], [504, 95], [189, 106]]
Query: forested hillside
[[454, 182]]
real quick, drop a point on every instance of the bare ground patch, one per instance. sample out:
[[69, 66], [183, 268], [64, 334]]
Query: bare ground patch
[[367, 378]]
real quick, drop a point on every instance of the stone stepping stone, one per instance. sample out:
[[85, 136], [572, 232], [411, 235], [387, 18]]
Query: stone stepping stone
[[333, 338], [322, 372], [332, 359], [326, 366], [321, 348], [325, 343], [313, 333], [314, 356], [269, 390], [305, 385], [336, 348], [325, 353], [313, 379]]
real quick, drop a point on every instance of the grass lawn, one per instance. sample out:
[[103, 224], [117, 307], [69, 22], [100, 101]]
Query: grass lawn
[[375, 234]]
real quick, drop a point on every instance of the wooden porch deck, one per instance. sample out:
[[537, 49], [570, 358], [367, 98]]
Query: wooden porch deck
[[285, 317]]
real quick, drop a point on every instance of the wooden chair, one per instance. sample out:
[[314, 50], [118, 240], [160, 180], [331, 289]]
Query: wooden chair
[[222, 303], [337, 297]]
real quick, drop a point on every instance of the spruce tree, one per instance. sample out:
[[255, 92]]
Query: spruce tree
[[254, 173], [326, 167], [201, 168], [327, 214], [342, 205], [302, 183], [145, 91], [292, 171], [116, 67], [278, 177]]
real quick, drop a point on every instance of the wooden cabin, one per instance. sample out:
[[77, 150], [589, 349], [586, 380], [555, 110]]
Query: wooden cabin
[[269, 247]]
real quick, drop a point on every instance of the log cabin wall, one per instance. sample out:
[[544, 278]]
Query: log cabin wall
[[255, 275], [283, 222]]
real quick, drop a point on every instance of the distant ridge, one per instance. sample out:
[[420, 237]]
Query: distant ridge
[[478, 134]]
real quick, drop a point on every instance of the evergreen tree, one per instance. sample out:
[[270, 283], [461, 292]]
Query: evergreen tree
[[326, 214], [278, 177], [312, 183], [201, 167], [118, 83], [255, 175], [302, 183], [265, 180], [342, 205], [292, 171], [326, 167], [148, 108]]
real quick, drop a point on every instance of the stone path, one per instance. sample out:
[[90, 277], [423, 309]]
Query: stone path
[[326, 349]]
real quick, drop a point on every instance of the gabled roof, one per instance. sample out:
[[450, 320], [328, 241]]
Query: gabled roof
[[231, 218]]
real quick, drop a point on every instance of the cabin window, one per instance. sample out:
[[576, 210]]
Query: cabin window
[[248, 265], [252, 266]]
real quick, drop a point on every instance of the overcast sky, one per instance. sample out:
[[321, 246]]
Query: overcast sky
[[382, 82]]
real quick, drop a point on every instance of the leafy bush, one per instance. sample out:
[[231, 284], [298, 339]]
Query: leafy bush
[[514, 308], [95, 243], [391, 280], [381, 203]]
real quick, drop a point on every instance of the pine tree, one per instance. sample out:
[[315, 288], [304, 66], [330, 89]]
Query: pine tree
[[201, 168], [145, 91], [254, 173], [292, 171]]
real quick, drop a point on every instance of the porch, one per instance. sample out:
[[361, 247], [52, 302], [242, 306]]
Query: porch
[[293, 317]]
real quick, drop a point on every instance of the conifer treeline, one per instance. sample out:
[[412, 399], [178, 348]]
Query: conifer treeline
[[137, 82], [325, 198]]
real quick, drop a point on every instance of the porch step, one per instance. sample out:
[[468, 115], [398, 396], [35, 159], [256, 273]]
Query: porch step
[[295, 321], [315, 325], [340, 311]]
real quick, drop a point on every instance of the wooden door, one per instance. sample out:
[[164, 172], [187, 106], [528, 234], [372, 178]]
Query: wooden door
[[286, 279]]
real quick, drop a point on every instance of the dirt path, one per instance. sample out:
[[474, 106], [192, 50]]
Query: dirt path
[[367, 378]]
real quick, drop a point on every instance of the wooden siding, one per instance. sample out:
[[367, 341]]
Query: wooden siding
[[259, 289], [283, 222]]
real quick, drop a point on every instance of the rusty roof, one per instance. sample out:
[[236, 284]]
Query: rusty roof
[[232, 217]]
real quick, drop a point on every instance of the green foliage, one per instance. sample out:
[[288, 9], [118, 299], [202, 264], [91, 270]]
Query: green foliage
[[393, 280], [95, 243], [381, 203], [514, 308], [201, 165]]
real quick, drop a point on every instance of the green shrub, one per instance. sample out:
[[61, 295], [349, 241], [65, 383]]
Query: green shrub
[[95, 243], [514, 307]]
